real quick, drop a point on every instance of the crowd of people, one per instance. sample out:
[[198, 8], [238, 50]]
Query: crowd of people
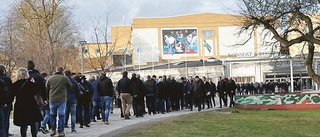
[[72, 95], [269, 87]]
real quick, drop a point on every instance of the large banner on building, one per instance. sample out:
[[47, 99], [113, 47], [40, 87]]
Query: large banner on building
[[179, 41]]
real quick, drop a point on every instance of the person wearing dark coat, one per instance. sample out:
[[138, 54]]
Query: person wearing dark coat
[[26, 110], [71, 106], [174, 92], [206, 97], [106, 92], [96, 103], [84, 100], [138, 95], [166, 81], [9, 99], [3, 98], [124, 88], [213, 92], [161, 89], [231, 88], [185, 95], [198, 90], [40, 83], [222, 89], [150, 86]]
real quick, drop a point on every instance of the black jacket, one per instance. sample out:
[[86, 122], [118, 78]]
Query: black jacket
[[3, 94], [198, 88], [124, 85], [7, 89], [137, 87], [150, 87], [222, 87], [161, 90], [39, 82], [105, 87]]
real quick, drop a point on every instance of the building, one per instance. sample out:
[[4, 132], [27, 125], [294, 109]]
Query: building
[[205, 44]]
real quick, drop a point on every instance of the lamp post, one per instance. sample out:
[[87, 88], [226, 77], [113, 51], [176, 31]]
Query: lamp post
[[291, 75], [82, 55]]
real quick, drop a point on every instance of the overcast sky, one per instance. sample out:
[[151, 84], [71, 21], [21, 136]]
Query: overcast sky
[[121, 12]]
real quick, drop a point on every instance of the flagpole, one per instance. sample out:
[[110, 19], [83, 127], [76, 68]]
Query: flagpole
[[139, 50], [152, 58], [125, 61], [139, 61], [202, 51], [186, 64]]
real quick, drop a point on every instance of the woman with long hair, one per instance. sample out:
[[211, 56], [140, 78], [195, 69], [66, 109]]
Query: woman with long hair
[[26, 110]]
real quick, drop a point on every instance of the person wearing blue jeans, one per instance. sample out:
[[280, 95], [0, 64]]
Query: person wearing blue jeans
[[106, 106], [57, 108], [8, 107], [95, 99], [6, 113], [46, 116], [72, 95], [57, 86], [71, 108], [106, 91]]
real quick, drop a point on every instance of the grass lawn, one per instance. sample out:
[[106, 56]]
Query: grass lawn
[[246, 123]]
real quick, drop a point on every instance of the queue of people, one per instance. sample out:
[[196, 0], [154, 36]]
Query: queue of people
[[72, 95]]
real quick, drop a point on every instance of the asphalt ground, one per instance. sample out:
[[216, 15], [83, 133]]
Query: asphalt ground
[[117, 125]]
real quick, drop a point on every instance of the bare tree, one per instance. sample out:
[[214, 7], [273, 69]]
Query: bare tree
[[99, 54], [291, 22], [42, 31]]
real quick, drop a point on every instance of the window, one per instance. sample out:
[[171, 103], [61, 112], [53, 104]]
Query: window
[[85, 51], [98, 51], [118, 60]]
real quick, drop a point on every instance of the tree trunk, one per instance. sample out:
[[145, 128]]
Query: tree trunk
[[309, 62]]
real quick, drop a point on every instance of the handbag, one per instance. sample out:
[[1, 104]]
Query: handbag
[[39, 101]]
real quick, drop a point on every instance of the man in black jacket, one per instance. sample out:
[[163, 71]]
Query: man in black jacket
[[3, 98], [150, 86], [9, 99], [124, 88], [222, 89], [198, 90], [231, 90], [105, 91], [84, 100], [138, 95], [161, 89]]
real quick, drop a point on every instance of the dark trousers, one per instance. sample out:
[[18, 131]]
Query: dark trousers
[[213, 100], [167, 104], [231, 97], [83, 112], [151, 104], [23, 130], [6, 113], [160, 105], [222, 98], [120, 106], [138, 106], [198, 101], [174, 101]]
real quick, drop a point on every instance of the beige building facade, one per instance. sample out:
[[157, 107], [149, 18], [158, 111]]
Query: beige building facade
[[204, 44]]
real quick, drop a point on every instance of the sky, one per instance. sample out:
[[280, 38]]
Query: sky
[[121, 12]]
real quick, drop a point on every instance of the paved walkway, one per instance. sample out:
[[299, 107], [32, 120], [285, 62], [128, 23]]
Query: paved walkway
[[98, 129]]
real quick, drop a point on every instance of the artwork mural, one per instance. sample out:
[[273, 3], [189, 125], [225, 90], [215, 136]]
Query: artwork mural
[[179, 41], [279, 99]]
